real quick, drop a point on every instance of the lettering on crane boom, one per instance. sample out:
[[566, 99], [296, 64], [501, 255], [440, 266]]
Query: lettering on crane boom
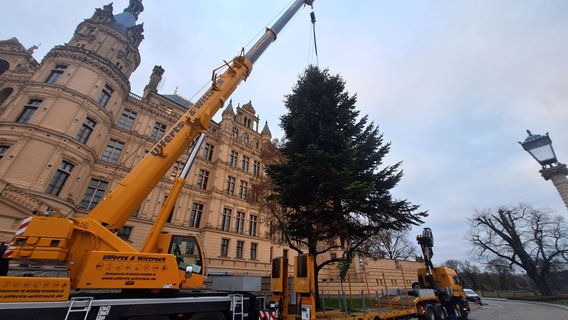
[[193, 109], [166, 139], [201, 101]]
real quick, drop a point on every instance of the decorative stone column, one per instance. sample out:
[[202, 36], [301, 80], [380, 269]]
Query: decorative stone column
[[558, 175]]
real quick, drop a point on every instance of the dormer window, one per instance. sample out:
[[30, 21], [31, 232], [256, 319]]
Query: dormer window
[[125, 52]]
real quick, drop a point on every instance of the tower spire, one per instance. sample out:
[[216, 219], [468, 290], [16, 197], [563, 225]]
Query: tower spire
[[135, 8]]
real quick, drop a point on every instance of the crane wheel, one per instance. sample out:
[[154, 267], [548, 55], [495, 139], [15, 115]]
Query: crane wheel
[[431, 313], [442, 313]]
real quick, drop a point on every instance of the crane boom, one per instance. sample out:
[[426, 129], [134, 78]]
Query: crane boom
[[117, 207]]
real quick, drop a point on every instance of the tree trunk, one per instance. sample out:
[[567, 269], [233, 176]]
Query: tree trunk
[[316, 294], [540, 283]]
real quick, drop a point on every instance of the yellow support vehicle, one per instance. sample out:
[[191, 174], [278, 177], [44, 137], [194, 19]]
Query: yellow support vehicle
[[437, 295]]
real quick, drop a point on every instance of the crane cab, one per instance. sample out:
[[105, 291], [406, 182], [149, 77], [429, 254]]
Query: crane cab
[[188, 252]]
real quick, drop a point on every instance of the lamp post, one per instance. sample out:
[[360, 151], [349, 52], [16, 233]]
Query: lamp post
[[540, 148]]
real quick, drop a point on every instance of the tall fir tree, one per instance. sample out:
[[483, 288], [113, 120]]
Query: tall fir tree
[[332, 185]]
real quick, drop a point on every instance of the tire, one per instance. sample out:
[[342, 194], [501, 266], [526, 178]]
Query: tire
[[457, 311], [431, 313], [459, 314], [441, 313]]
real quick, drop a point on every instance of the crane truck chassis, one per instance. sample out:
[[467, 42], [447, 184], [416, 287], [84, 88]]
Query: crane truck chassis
[[107, 278]]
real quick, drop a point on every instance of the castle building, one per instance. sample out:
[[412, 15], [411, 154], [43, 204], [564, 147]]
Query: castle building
[[71, 129]]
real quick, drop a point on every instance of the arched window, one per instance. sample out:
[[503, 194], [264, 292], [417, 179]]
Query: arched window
[[4, 66], [235, 133], [4, 94], [247, 122]]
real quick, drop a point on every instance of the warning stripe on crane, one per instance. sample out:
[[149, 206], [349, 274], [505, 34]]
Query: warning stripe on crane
[[266, 315], [23, 226], [21, 229]]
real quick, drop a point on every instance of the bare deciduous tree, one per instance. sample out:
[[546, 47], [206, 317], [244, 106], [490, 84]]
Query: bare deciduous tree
[[527, 238], [502, 271], [467, 271], [389, 244]]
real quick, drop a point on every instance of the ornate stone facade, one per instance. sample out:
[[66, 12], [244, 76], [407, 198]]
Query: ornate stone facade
[[70, 130]]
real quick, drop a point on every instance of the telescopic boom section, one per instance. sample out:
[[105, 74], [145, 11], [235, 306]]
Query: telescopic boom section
[[270, 35], [115, 209], [426, 242]]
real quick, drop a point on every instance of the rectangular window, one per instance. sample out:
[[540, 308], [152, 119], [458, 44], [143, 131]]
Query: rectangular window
[[56, 74], [243, 189], [208, 152], [59, 178], [231, 185], [256, 168], [245, 163], [252, 225], [124, 233], [3, 150], [94, 194], [233, 158], [202, 179], [226, 222], [195, 217], [224, 247], [253, 247], [112, 151], [240, 246], [126, 120], [29, 110], [158, 131], [240, 222], [105, 95], [86, 130]]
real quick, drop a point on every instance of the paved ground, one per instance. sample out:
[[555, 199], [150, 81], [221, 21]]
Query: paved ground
[[501, 309]]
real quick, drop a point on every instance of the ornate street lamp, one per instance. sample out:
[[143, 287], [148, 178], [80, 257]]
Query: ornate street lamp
[[540, 148]]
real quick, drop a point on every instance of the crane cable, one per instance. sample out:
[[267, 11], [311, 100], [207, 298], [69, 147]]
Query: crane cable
[[313, 16]]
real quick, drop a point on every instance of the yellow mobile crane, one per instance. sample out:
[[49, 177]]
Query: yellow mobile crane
[[96, 258]]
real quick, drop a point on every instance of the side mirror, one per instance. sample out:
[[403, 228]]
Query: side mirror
[[196, 268]]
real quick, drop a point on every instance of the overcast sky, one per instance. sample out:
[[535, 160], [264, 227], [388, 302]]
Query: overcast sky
[[453, 85]]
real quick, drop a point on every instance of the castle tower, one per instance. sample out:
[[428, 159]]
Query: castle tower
[[65, 106]]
